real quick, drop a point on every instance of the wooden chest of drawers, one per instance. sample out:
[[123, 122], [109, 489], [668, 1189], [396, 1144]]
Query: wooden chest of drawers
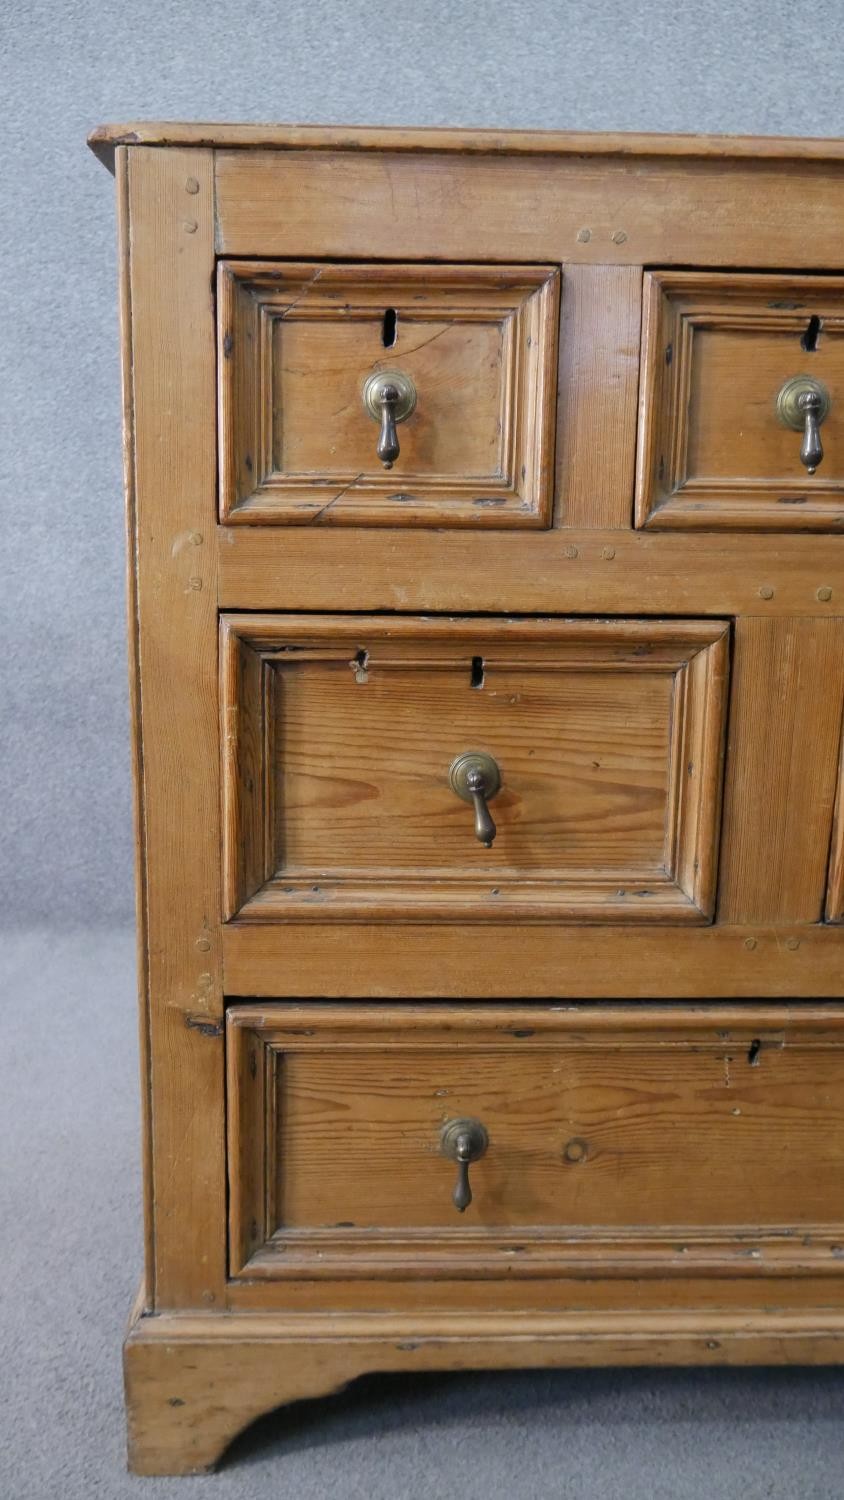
[[487, 640]]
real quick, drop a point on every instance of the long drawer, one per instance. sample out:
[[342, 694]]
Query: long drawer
[[412, 1141]]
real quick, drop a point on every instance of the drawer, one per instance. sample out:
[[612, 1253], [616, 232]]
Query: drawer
[[469, 352], [725, 358], [621, 1138], [349, 745]]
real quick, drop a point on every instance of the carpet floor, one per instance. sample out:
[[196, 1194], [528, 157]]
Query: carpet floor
[[70, 1240]]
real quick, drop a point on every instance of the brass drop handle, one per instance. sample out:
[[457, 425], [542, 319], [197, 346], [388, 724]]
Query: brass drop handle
[[475, 777], [811, 448], [485, 829], [387, 447], [803, 404], [389, 396], [463, 1141]]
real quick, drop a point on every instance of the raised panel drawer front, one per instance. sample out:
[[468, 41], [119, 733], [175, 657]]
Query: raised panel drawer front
[[727, 433], [628, 1140], [309, 355], [417, 768]]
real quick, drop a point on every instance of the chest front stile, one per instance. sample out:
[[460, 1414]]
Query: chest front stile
[[173, 559]]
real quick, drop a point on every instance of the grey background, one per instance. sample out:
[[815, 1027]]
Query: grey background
[[69, 1178], [772, 67]]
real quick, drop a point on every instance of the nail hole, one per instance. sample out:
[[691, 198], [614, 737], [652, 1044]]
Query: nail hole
[[477, 680], [753, 1052], [389, 327], [576, 1150], [809, 341]]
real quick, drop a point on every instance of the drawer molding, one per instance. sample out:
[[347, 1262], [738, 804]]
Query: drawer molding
[[657, 787], [296, 344], [705, 425], [470, 1255], [835, 872], [327, 1106]]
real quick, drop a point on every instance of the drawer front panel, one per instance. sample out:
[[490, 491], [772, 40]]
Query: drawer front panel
[[715, 450], [629, 1133], [474, 351], [341, 736]]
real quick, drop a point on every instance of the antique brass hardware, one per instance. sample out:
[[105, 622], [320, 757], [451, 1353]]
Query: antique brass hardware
[[802, 405], [389, 396], [475, 777], [463, 1141]]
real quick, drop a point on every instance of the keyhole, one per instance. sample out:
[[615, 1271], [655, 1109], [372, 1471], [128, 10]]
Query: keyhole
[[809, 341], [359, 664], [389, 327], [477, 680]]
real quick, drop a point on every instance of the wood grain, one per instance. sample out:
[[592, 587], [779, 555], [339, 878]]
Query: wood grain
[[194, 1382], [726, 1279], [297, 342], [138, 817], [835, 879], [442, 207], [782, 758], [248, 804], [607, 1143], [599, 382], [172, 360], [716, 351], [575, 572], [104, 138], [460, 960], [608, 735]]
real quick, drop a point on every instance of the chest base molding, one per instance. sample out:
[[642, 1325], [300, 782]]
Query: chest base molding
[[194, 1381]]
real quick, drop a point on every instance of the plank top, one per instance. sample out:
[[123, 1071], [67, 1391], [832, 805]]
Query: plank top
[[105, 138]]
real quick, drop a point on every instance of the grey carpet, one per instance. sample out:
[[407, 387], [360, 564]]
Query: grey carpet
[[70, 1246]]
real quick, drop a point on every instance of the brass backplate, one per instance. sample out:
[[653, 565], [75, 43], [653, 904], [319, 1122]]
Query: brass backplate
[[474, 760], [788, 398], [374, 384], [454, 1129]]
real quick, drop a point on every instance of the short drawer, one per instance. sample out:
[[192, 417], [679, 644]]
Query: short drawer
[[308, 354], [350, 745], [725, 361], [611, 1140]]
